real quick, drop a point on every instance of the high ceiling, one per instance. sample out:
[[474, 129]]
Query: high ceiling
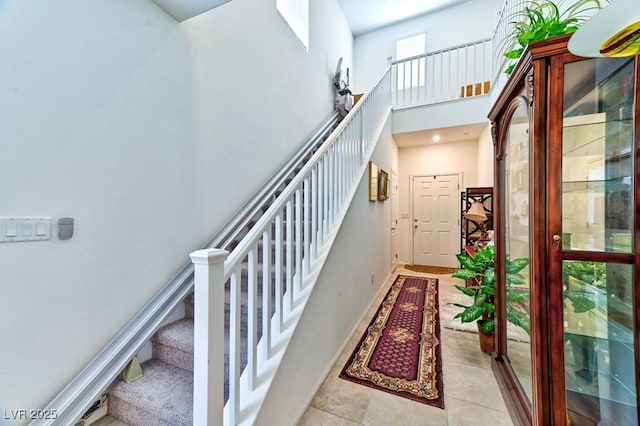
[[368, 15]]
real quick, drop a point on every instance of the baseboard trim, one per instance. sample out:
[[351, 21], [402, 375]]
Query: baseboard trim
[[327, 371]]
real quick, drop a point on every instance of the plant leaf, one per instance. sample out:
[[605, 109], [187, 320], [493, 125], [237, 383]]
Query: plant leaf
[[515, 279], [472, 313], [464, 274], [469, 291], [581, 303], [521, 319], [480, 298], [516, 296], [467, 262], [517, 265], [509, 69], [489, 277], [514, 54]]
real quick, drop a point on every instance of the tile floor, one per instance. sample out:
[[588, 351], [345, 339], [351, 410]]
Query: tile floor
[[471, 395]]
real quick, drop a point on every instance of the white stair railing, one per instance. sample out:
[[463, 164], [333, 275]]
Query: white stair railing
[[443, 75], [279, 261]]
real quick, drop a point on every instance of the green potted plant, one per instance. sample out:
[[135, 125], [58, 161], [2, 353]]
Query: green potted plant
[[479, 269], [540, 20]]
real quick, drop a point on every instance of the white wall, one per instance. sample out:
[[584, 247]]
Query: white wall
[[341, 296], [469, 21], [486, 158], [426, 160], [149, 133]]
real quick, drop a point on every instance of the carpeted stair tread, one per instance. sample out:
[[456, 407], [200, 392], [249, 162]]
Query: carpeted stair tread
[[164, 394]]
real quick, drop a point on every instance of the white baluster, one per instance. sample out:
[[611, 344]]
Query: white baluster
[[235, 319], [252, 319], [321, 198], [325, 192], [267, 305], [278, 271], [289, 256], [298, 239], [307, 226], [314, 212]]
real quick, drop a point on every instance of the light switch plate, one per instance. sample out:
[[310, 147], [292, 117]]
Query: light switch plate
[[15, 229]]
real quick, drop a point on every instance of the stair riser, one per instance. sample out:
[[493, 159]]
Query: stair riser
[[132, 415], [173, 356]]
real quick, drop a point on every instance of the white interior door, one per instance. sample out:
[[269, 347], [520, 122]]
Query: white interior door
[[436, 228]]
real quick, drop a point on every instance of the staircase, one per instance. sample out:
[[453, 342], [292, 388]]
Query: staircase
[[252, 283], [164, 395]]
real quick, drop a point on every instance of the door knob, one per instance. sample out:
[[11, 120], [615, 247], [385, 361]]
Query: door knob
[[557, 239]]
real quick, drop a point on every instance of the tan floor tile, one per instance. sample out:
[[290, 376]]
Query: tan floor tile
[[463, 347], [343, 398], [472, 384], [388, 410], [316, 417], [463, 413]]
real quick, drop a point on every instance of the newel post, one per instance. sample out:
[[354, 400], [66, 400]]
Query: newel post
[[208, 318]]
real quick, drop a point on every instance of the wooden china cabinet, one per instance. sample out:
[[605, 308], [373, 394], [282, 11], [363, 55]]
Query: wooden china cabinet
[[567, 167]]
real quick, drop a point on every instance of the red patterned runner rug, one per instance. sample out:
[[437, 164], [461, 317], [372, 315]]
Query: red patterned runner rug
[[400, 351]]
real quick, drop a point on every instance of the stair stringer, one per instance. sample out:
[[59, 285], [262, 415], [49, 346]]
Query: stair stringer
[[251, 402]]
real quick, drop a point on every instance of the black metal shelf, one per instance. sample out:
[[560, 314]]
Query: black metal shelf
[[472, 231]]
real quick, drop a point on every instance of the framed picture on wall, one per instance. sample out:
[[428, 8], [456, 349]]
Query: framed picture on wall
[[383, 185]]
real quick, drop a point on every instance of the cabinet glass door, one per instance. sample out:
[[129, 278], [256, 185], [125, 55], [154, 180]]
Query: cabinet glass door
[[597, 222], [516, 231]]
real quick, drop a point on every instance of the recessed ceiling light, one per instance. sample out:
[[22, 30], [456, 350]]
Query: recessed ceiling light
[[436, 138]]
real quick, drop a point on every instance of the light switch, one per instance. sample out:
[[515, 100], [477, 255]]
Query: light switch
[[26, 229], [12, 229], [41, 229]]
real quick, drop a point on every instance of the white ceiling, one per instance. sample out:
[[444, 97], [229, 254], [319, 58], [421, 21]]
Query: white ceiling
[[367, 15], [447, 135]]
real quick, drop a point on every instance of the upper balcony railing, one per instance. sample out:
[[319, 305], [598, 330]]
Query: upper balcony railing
[[443, 75]]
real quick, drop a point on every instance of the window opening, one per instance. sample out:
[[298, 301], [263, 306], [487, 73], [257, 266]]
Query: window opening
[[412, 72], [296, 15]]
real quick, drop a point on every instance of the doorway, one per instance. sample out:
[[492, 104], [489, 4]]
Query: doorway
[[436, 224]]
